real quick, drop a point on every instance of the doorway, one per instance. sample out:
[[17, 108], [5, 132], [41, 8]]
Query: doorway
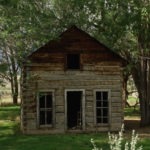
[[74, 110]]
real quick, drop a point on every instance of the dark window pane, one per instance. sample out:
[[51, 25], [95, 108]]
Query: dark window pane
[[42, 117], [98, 112], [98, 104], [105, 120], [49, 101], [105, 96], [102, 107], [99, 120], [105, 104], [105, 112], [49, 117], [45, 108], [98, 95], [73, 61], [42, 101]]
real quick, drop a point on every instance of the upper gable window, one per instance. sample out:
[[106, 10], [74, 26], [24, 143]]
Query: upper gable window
[[73, 61]]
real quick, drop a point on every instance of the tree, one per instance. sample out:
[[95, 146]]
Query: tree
[[134, 17], [19, 38], [141, 71], [12, 67], [8, 54]]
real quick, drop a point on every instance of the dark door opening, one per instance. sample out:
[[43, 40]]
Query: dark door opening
[[74, 110]]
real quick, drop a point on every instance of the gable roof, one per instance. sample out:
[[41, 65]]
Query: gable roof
[[71, 35]]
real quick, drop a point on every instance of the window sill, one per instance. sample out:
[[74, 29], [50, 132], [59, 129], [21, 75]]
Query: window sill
[[72, 70], [45, 126], [102, 125]]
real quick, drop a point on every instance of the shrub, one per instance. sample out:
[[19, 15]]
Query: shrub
[[116, 142]]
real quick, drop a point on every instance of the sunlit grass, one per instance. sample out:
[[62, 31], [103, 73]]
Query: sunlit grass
[[131, 111], [7, 127], [9, 113]]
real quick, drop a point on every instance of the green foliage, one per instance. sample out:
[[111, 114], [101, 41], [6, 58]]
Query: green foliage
[[3, 70], [116, 23], [3, 67]]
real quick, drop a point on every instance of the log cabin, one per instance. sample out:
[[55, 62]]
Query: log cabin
[[72, 84]]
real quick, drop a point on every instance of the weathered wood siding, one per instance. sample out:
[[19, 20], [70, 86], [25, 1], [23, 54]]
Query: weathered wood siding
[[101, 69], [93, 76]]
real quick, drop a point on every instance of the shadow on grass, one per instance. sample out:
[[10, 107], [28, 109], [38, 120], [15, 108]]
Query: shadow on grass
[[50, 142]]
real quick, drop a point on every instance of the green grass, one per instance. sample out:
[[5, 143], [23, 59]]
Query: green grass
[[130, 111], [11, 139], [146, 143], [9, 120], [9, 113], [50, 142]]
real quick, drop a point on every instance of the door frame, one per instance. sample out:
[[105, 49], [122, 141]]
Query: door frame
[[83, 106]]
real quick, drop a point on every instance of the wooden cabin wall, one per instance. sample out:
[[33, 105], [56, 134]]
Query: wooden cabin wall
[[95, 74]]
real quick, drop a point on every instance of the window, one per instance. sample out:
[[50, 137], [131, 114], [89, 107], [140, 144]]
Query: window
[[73, 61], [45, 108], [102, 107]]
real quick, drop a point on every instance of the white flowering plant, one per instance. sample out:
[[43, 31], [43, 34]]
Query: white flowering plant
[[115, 142]]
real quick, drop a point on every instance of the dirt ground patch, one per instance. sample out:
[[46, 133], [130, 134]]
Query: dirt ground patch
[[135, 125]]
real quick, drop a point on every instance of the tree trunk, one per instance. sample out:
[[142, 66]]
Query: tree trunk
[[15, 94], [144, 94], [12, 71], [14, 89], [125, 91], [141, 75]]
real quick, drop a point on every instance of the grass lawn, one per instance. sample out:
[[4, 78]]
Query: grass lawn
[[130, 111], [48, 142], [12, 139]]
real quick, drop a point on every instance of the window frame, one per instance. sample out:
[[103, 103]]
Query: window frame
[[66, 62], [109, 107], [38, 109]]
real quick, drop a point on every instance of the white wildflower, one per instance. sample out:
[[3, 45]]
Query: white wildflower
[[116, 141]]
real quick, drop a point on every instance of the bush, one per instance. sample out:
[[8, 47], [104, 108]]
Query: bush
[[116, 142]]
